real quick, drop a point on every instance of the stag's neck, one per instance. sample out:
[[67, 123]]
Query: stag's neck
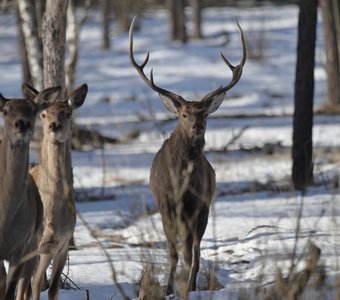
[[14, 169], [186, 148]]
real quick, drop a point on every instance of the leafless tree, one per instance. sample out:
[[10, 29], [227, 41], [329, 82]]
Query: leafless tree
[[302, 152], [106, 16], [29, 28], [196, 6], [331, 21], [177, 20]]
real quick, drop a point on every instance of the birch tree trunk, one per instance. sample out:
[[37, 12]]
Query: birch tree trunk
[[54, 39], [32, 43]]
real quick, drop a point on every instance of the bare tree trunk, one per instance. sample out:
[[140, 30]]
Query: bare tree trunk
[[73, 40], [177, 20], [26, 74], [331, 20], [302, 152], [106, 16], [32, 42], [123, 12], [196, 6], [54, 38]]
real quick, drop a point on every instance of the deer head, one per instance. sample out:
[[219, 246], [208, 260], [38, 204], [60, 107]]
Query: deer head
[[19, 114], [57, 116], [192, 115]]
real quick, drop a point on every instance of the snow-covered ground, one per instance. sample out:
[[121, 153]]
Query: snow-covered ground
[[252, 227]]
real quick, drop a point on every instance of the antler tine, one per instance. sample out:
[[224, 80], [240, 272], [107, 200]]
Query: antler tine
[[140, 68], [236, 70]]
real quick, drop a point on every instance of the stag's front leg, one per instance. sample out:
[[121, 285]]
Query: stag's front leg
[[3, 276], [195, 266]]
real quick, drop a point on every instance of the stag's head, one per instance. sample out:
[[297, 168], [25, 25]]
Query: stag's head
[[192, 115], [57, 116], [19, 114]]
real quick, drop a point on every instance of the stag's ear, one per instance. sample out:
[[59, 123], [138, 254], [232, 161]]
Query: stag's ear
[[29, 92], [3, 101], [171, 104], [78, 96], [214, 102], [47, 96]]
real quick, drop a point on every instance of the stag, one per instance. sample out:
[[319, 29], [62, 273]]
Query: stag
[[53, 176], [182, 180], [21, 207]]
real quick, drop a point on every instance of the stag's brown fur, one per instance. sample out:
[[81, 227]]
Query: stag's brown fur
[[182, 180], [183, 184]]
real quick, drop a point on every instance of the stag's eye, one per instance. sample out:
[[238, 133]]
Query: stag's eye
[[4, 112], [43, 116], [184, 115]]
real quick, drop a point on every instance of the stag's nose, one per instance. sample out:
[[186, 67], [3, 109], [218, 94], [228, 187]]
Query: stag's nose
[[197, 126], [54, 126], [21, 125]]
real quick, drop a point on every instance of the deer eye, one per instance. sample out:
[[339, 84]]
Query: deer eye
[[4, 112], [43, 116], [184, 115]]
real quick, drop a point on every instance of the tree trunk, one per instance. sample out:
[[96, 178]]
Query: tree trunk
[[106, 15], [302, 173], [33, 46], [331, 22], [177, 20], [26, 74], [73, 40], [54, 38], [196, 7], [123, 12]]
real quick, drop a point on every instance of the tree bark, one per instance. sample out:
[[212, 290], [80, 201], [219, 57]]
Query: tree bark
[[177, 20], [331, 21], [26, 74], [196, 7], [302, 172], [54, 38], [31, 38], [106, 15]]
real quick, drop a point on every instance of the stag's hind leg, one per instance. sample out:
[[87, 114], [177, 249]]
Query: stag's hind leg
[[59, 261], [3, 276], [38, 277]]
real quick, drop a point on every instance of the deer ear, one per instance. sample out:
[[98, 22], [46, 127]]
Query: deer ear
[[78, 96], [3, 101], [214, 103], [171, 104], [29, 92], [47, 96]]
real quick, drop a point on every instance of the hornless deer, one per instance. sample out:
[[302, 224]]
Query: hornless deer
[[21, 207], [181, 179], [53, 176]]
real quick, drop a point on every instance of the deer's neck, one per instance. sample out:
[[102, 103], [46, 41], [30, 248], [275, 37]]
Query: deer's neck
[[186, 148], [14, 169], [55, 171]]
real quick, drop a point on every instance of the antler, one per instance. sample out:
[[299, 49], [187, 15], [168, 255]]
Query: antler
[[237, 70], [140, 69]]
